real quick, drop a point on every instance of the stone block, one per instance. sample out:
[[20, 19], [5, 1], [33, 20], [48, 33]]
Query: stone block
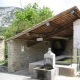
[[51, 74], [45, 74], [34, 75], [33, 65], [67, 71]]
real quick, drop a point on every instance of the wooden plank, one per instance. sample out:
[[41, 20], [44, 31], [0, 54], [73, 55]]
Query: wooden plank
[[57, 37]]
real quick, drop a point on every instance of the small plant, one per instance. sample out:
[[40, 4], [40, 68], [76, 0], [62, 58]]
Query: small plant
[[4, 62], [66, 59]]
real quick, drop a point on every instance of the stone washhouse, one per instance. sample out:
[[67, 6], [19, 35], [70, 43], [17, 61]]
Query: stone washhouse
[[1, 48], [60, 32]]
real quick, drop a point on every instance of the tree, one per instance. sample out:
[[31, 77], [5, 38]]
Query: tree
[[31, 16], [2, 30]]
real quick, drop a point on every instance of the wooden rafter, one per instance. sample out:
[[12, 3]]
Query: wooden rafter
[[75, 14], [57, 37], [49, 35], [35, 34]]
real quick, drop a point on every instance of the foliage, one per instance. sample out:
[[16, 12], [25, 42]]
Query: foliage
[[2, 30], [31, 16], [6, 51], [10, 31], [4, 62], [66, 60]]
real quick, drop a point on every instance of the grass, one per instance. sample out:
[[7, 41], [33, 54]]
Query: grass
[[66, 60], [2, 62]]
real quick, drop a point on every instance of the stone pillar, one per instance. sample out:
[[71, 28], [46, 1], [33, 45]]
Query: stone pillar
[[76, 39], [49, 58], [10, 56]]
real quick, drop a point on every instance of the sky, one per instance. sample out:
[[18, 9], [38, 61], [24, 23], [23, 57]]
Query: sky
[[57, 6]]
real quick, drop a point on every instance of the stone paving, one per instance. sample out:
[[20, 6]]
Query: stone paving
[[24, 75], [18, 75], [66, 78], [7, 76]]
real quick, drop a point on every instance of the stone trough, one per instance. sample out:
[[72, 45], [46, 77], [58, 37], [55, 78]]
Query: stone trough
[[65, 70], [47, 71], [38, 68]]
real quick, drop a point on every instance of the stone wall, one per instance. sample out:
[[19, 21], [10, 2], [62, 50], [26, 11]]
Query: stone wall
[[1, 49], [19, 55], [68, 71], [69, 47]]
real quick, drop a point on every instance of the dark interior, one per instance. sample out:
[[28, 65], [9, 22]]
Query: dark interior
[[58, 46]]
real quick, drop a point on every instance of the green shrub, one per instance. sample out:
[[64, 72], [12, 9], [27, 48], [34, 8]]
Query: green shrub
[[4, 62]]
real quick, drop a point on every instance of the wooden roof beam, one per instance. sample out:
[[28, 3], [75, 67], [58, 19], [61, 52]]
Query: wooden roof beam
[[57, 37], [49, 35], [36, 34], [75, 13], [54, 24]]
